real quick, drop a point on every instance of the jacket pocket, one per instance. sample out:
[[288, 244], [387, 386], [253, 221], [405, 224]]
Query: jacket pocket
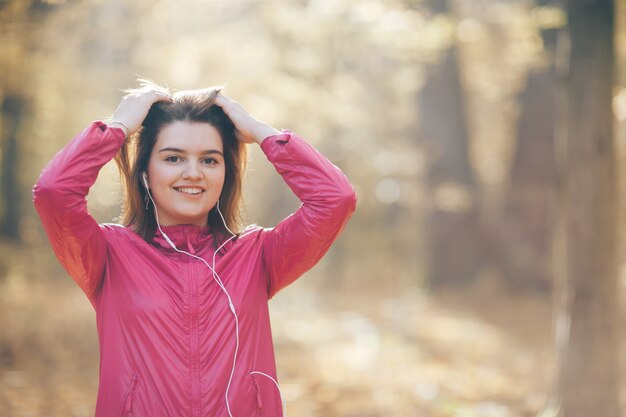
[[127, 405], [259, 401]]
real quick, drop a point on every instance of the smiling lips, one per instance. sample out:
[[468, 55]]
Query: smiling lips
[[189, 190]]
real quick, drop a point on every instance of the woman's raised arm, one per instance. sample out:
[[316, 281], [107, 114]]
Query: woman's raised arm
[[328, 199], [60, 193]]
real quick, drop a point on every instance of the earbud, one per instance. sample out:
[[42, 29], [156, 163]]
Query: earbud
[[145, 179]]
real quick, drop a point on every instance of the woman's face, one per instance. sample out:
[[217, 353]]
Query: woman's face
[[186, 172]]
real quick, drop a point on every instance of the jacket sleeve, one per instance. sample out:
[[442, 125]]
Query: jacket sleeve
[[59, 197], [328, 200]]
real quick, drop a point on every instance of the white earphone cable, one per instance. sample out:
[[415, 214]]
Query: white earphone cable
[[219, 282]]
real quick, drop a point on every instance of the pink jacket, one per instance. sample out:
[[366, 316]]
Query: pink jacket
[[167, 336]]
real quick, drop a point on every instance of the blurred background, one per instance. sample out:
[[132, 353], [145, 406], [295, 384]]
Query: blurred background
[[482, 272]]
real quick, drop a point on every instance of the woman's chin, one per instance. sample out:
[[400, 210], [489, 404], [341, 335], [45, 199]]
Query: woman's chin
[[197, 218]]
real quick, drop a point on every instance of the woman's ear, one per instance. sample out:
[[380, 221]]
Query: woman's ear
[[145, 179]]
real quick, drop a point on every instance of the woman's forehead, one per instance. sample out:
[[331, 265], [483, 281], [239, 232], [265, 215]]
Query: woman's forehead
[[189, 136]]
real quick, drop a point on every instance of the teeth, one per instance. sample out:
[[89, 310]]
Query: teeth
[[190, 190]]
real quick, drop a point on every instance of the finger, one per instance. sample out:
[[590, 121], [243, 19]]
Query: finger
[[157, 92], [156, 96], [224, 99], [220, 99], [164, 96], [227, 107]]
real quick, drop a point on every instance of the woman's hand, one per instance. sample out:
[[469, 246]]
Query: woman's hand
[[135, 105], [248, 128]]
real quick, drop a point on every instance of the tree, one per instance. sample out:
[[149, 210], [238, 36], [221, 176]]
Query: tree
[[529, 211], [587, 314], [18, 27], [453, 230]]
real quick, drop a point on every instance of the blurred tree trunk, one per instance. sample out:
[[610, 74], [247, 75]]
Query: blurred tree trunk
[[453, 224], [526, 230], [12, 112], [587, 324], [18, 27]]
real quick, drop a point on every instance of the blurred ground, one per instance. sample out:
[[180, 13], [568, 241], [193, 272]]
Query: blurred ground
[[446, 354]]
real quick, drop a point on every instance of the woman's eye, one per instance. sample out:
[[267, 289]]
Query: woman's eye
[[172, 158], [210, 161]]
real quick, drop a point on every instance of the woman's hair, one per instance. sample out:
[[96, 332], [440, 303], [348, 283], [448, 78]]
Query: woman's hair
[[196, 106]]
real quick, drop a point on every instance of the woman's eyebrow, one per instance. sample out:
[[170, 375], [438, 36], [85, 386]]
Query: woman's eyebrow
[[207, 152]]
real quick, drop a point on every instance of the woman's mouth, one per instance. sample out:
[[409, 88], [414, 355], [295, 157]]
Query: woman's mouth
[[189, 190]]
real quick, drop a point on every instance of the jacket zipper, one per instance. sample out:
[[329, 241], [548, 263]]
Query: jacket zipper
[[259, 402], [194, 343], [128, 400]]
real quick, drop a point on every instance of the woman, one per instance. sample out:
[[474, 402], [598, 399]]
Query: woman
[[181, 299]]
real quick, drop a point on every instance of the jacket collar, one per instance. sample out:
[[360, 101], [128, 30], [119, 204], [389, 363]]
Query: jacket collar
[[187, 237]]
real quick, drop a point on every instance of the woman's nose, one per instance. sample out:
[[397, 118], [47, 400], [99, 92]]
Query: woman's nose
[[192, 171]]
